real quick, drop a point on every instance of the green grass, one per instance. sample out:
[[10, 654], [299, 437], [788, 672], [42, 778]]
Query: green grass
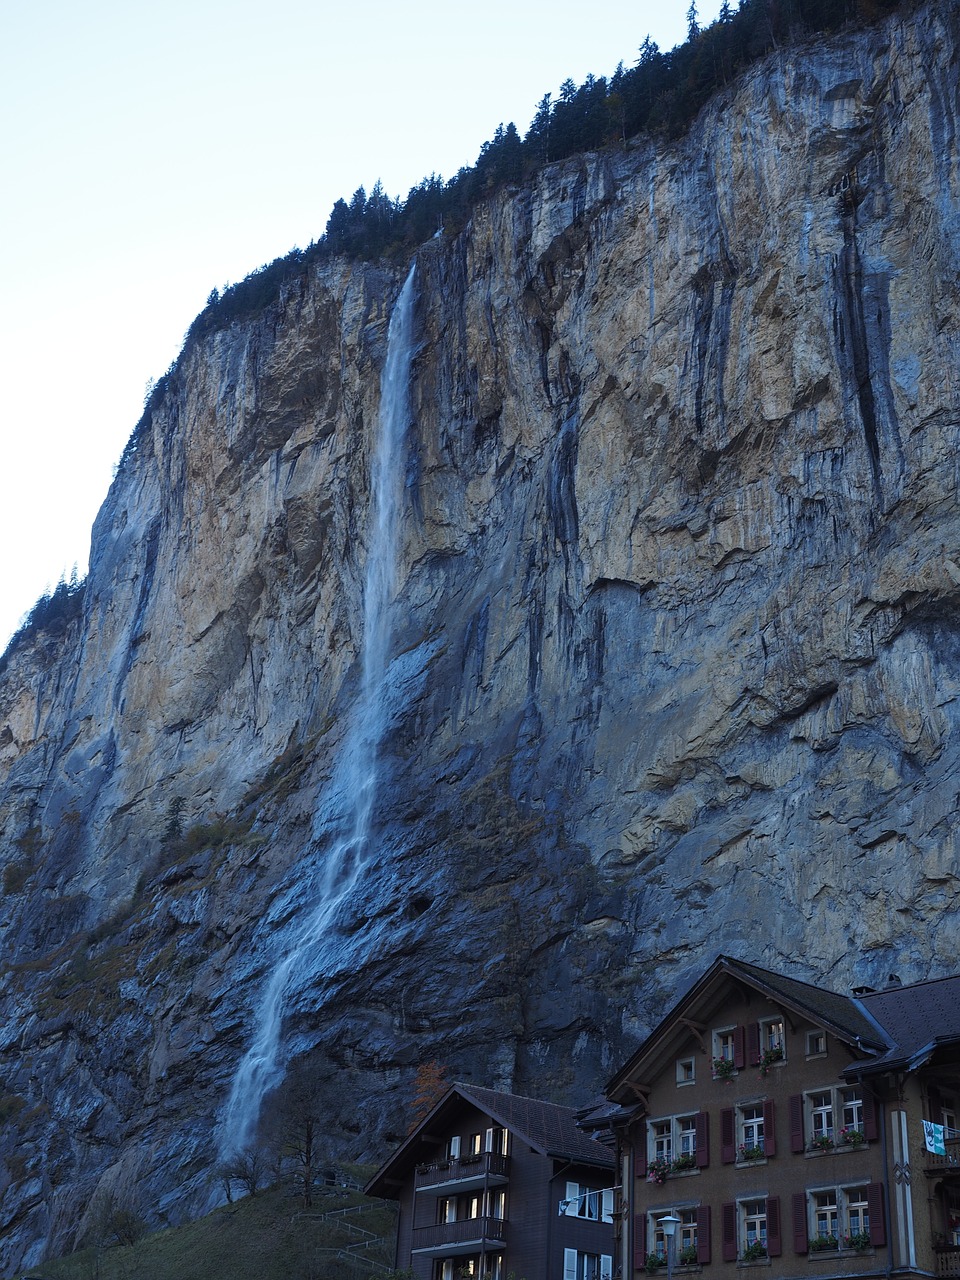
[[269, 1236]]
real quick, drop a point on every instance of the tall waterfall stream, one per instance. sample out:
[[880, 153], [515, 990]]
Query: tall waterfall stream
[[355, 774]]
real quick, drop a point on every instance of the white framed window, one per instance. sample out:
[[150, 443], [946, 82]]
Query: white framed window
[[685, 1240], [594, 1203], [750, 1145], [836, 1118], [453, 1148], [496, 1140], [586, 1266], [821, 1117], [948, 1118], [686, 1071], [673, 1140], [474, 1144], [496, 1204], [816, 1043], [454, 1268], [838, 1218], [753, 1228], [723, 1044], [773, 1041]]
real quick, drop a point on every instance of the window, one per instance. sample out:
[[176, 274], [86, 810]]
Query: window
[[723, 1045], [495, 1140], [773, 1042], [586, 1266], [816, 1044], [496, 1204], [676, 1143], [454, 1268], [748, 1132], [750, 1146], [686, 1071], [595, 1203], [835, 1117], [473, 1144], [685, 1240], [821, 1118], [753, 1228], [839, 1218], [453, 1148]]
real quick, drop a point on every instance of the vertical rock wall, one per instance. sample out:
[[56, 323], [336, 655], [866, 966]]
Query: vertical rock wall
[[676, 644]]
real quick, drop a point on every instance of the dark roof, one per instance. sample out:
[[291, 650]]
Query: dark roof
[[838, 1013], [836, 1010], [918, 1019], [550, 1129], [544, 1126]]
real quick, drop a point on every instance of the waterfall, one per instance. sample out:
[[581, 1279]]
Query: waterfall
[[355, 775]]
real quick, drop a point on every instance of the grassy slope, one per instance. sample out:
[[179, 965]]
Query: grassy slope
[[269, 1236]]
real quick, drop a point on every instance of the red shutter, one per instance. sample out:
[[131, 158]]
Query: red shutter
[[774, 1245], [728, 1135], [728, 1231], [702, 1121], [878, 1235], [639, 1239], [640, 1161], [703, 1234], [739, 1048], [769, 1129], [753, 1044], [870, 1131], [795, 1104], [800, 1244]]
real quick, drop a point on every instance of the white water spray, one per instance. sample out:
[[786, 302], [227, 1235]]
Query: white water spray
[[355, 776]]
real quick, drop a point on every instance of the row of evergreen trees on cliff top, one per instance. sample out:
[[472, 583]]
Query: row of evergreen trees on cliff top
[[661, 92]]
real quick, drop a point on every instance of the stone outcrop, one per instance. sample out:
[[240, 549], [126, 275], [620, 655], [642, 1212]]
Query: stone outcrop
[[675, 651]]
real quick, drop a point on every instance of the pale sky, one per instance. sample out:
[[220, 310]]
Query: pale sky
[[151, 151]]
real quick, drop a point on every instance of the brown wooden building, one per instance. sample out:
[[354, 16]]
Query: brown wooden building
[[491, 1183], [782, 1124]]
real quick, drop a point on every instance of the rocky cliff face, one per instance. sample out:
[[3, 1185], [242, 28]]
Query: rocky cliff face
[[675, 664]]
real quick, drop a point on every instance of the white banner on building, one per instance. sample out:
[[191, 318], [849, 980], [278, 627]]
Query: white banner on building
[[933, 1135]]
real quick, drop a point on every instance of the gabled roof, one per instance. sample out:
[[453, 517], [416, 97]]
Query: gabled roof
[[546, 1127], [918, 1019], [840, 1014]]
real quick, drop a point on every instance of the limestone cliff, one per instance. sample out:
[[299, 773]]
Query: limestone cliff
[[676, 654]]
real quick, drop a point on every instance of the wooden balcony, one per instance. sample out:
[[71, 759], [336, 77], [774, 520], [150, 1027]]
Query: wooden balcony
[[465, 1174], [460, 1237], [950, 1163], [948, 1259]]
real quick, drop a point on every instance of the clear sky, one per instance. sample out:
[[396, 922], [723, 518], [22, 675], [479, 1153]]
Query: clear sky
[[151, 151]]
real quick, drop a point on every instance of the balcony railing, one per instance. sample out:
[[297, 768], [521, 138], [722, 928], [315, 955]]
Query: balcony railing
[[488, 1166], [471, 1232], [948, 1260], [951, 1160]]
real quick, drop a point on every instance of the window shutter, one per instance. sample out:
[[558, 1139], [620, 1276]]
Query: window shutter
[[488, 1142], [870, 1131], [728, 1231], [795, 1104], [800, 1223], [640, 1160], [606, 1266], [769, 1130], [728, 1135], [878, 1235], [703, 1234], [606, 1202], [569, 1264], [753, 1044], [702, 1138], [639, 1239], [573, 1199], [739, 1048], [774, 1243]]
